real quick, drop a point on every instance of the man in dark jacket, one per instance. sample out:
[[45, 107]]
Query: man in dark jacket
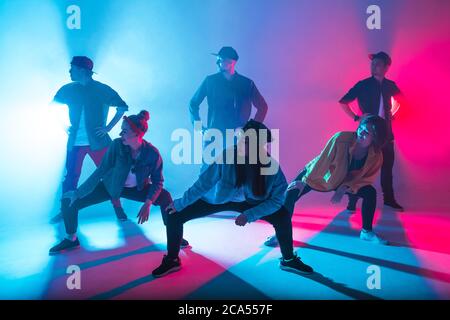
[[230, 97], [374, 96]]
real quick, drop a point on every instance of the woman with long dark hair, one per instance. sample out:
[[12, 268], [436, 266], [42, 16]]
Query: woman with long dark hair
[[131, 168], [348, 164], [241, 186]]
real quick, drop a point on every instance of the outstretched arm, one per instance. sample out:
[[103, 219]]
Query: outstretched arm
[[204, 183]]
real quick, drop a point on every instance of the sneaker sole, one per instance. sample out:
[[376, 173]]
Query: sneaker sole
[[272, 243], [378, 243], [63, 251], [285, 268], [175, 269]]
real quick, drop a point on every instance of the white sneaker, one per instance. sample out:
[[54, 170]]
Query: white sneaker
[[372, 237], [271, 241]]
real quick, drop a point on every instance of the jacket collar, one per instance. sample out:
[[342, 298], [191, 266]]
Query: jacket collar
[[145, 150]]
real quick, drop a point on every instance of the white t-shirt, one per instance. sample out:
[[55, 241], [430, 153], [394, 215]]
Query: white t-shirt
[[131, 181], [381, 109], [82, 136]]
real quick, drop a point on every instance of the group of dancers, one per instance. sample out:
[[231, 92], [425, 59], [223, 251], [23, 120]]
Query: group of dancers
[[131, 167]]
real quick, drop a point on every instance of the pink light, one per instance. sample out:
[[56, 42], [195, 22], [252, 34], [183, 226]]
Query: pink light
[[395, 106]]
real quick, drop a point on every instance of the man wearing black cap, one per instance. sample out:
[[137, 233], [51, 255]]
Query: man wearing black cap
[[374, 96], [88, 101], [229, 95]]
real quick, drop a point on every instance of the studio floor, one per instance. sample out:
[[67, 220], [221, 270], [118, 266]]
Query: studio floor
[[230, 262]]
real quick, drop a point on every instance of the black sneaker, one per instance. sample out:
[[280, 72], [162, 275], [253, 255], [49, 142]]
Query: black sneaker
[[64, 245], [393, 205], [351, 206], [295, 265], [120, 214], [56, 219], [184, 243], [167, 266]]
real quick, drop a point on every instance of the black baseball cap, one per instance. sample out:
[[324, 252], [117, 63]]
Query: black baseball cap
[[82, 62], [227, 53], [382, 56]]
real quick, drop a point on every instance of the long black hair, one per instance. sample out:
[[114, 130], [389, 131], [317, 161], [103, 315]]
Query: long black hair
[[250, 173]]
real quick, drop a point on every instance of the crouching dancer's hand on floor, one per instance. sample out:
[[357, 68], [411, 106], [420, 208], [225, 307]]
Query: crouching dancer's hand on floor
[[241, 220], [144, 212]]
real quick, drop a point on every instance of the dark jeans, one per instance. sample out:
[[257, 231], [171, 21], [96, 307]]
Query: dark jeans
[[386, 177], [367, 193], [386, 172], [100, 194], [74, 163], [280, 220]]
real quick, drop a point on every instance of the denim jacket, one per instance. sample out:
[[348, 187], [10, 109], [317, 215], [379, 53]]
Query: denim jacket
[[116, 165], [222, 178]]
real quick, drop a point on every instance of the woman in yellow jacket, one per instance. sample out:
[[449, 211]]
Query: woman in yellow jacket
[[348, 164]]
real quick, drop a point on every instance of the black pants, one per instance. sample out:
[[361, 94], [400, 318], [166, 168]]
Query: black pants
[[386, 177], [386, 172], [367, 193], [100, 194], [280, 220]]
